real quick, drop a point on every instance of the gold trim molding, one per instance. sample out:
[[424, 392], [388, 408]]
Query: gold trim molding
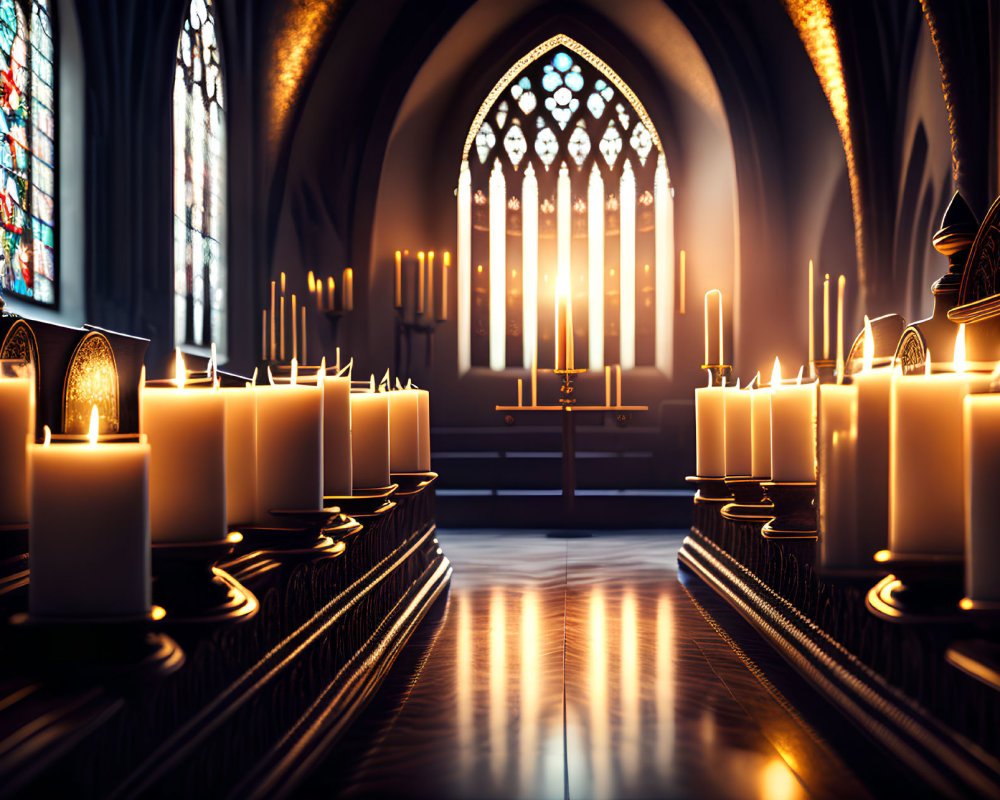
[[91, 379]]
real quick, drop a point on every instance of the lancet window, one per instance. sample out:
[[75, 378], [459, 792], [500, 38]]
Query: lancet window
[[27, 152], [199, 184], [564, 183]]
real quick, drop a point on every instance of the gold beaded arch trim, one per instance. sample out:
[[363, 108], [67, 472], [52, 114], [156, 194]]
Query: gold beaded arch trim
[[91, 379], [538, 52]]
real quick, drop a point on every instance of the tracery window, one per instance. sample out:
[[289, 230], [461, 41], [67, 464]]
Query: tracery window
[[199, 184], [27, 152], [564, 182]]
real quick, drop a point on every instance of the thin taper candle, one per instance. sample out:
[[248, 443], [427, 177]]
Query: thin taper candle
[[520, 389], [430, 283], [534, 373], [618, 378], [348, 289], [841, 281], [304, 361], [812, 321], [607, 386], [282, 282], [272, 321], [683, 291], [420, 282], [329, 287], [263, 334], [295, 338], [281, 351], [444, 286], [399, 279], [826, 317]]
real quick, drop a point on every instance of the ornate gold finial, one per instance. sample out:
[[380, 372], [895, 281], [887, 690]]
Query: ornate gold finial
[[954, 240]]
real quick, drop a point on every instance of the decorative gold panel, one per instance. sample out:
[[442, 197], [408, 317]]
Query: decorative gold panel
[[91, 379], [19, 344]]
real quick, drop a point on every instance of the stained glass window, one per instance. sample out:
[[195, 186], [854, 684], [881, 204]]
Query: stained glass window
[[27, 152], [199, 184], [564, 181]]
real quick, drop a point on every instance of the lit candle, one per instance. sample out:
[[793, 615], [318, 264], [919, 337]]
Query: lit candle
[[404, 431], [241, 453], [981, 432], [370, 423], [185, 429], [304, 357], [89, 551], [263, 334], [618, 381], [710, 431], [926, 492], [444, 286], [329, 288], [793, 432], [760, 436], [430, 283], [348, 289], [281, 335], [399, 280], [826, 316], [289, 449], [561, 330], [607, 386], [738, 445], [840, 328], [683, 289], [520, 389], [713, 324], [424, 430], [311, 282], [420, 282], [873, 386], [17, 410], [337, 442]]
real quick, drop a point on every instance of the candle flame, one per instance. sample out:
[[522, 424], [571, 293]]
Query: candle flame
[[95, 424], [737, 384], [270, 377], [214, 362], [322, 366], [709, 379], [927, 363], [48, 436], [371, 382], [798, 379], [311, 281], [180, 374], [399, 386], [776, 373], [755, 383], [282, 282], [384, 383], [295, 371], [253, 379], [868, 347], [409, 383], [960, 363]]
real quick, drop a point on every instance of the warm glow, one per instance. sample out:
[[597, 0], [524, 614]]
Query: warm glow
[[295, 371], [48, 436], [868, 348], [798, 378], [282, 282], [716, 303], [960, 363], [253, 379], [966, 604], [371, 382], [927, 363], [755, 383], [776, 373], [311, 281], [778, 782], [157, 613], [180, 374], [882, 556], [95, 424]]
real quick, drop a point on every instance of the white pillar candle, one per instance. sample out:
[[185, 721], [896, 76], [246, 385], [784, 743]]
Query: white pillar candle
[[926, 493], [337, 475], [187, 466], [738, 432], [981, 432], [760, 435], [289, 450], [89, 532], [710, 431], [424, 431], [404, 434], [872, 493], [370, 454], [793, 433], [17, 411], [837, 446], [241, 454]]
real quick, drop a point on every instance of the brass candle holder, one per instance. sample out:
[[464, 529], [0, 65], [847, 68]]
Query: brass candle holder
[[710, 490], [794, 510], [825, 369], [721, 374], [749, 501], [297, 532], [921, 588]]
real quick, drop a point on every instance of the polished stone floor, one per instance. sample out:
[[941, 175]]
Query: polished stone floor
[[588, 668]]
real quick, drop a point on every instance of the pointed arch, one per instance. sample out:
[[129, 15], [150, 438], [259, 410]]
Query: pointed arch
[[563, 181]]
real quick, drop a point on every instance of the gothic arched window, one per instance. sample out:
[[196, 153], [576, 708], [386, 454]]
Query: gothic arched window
[[27, 152], [563, 181], [199, 184]]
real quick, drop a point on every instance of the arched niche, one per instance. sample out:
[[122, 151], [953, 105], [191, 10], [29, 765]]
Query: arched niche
[[653, 52]]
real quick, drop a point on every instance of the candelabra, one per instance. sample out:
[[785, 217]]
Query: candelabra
[[406, 330]]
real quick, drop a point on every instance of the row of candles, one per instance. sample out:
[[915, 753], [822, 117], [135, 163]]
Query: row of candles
[[207, 460], [607, 387], [275, 324], [419, 288], [906, 464]]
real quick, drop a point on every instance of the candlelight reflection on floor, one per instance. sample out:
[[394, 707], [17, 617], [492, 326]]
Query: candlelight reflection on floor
[[578, 668]]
